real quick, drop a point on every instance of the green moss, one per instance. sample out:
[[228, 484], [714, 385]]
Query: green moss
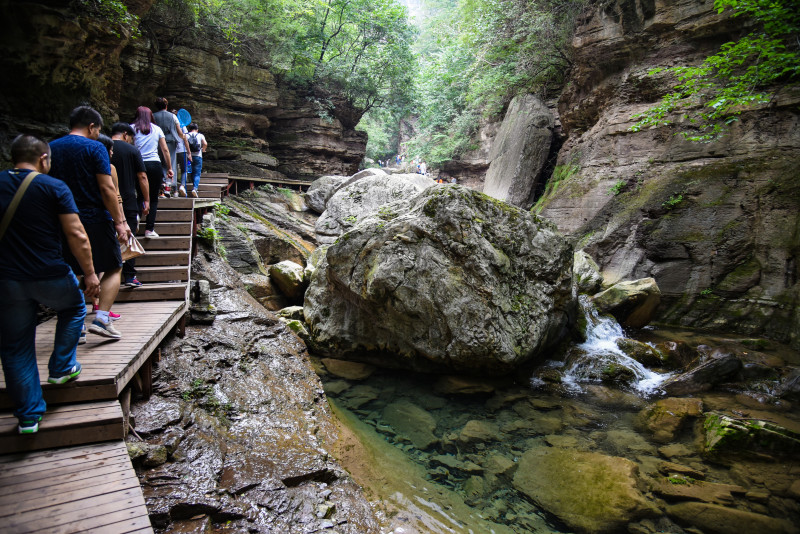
[[677, 480]]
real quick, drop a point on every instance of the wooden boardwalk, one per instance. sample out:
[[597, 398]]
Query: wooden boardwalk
[[75, 489], [74, 475]]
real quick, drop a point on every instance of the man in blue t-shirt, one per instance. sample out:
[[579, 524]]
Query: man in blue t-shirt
[[82, 163], [33, 272]]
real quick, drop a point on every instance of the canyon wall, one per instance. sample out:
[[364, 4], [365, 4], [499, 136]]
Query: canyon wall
[[716, 224], [256, 125]]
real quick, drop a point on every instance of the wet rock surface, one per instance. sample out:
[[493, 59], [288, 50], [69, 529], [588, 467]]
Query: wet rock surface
[[451, 279], [632, 303], [238, 431]]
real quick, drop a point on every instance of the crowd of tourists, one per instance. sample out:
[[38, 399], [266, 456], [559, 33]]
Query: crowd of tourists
[[66, 210]]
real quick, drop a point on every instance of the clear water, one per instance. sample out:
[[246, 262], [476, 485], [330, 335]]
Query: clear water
[[447, 482], [600, 350]]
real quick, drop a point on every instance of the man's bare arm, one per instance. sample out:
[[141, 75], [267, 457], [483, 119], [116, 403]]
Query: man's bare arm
[[109, 194], [165, 152], [144, 187], [80, 247]]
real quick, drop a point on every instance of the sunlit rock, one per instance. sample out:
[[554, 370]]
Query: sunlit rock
[[632, 303], [288, 276], [586, 273]]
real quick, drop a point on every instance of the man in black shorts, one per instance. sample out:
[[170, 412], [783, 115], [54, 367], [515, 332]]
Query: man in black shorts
[[132, 176], [82, 163]]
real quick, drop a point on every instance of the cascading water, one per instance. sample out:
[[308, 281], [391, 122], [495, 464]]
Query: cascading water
[[599, 355]]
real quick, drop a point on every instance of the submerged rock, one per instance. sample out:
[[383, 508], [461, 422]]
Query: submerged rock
[[411, 422], [348, 370], [632, 303], [588, 491], [724, 520], [449, 280], [664, 418]]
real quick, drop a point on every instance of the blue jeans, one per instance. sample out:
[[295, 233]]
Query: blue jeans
[[18, 337], [197, 168]]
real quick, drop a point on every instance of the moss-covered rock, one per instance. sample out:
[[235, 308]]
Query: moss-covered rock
[[725, 434], [664, 418], [588, 491], [632, 303], [641, 352], [288, 276]]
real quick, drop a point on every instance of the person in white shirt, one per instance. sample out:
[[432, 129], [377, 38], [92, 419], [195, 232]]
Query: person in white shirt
[[197, 145], [149, 139]]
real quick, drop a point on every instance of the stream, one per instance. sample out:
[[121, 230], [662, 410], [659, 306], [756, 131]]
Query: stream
[[439, 454]]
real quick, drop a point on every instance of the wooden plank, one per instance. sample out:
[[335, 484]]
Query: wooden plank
[[174, 203], [154, 292], [53, 516], [163, 257], [29, 471], [166, 228], [60, 479], [168, 243], [163, 273], [173, 215], [62, 438], [74, 491], [86, 451], [113, 521]]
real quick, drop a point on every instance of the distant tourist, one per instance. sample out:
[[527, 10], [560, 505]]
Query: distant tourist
[[183, 156], [423, 168], [149, 139], [33, 272], [133, 186], [83, 163], [197, 146], [173, 135]]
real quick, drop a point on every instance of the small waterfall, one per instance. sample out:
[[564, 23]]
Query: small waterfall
[[588, 361]]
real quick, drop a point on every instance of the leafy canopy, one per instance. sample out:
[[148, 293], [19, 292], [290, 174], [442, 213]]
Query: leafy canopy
[[475, 56], [744, 73]]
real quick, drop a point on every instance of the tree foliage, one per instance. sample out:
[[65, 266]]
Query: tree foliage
[[356, 49], [744, 73], [475, 56]]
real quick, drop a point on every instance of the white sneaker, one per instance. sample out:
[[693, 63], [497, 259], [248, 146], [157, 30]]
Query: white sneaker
[[150, 233], [182, 191], [194, 193]]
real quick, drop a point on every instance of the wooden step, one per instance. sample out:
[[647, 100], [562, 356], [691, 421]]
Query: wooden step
[[155, 291], [63, 426], [164, 257], [214, 175], [166, 228], [173, 215], [162, 274], [175, 203], [167, 243]]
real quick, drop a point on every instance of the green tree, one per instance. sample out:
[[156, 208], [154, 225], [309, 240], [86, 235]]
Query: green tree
[[745, 73]]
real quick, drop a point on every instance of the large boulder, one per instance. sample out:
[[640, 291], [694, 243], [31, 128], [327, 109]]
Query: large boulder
[[449, 280], [321, 190], [664, 418], [716, 369], [588, 491], [362, 197], [288, 276], [632, 303], [520, 151]]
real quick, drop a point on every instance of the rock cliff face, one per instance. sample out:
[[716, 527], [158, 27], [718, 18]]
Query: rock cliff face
[[715, 224], [519, 152], [255, 125]]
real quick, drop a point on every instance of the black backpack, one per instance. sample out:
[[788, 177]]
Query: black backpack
[[194, 143]]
